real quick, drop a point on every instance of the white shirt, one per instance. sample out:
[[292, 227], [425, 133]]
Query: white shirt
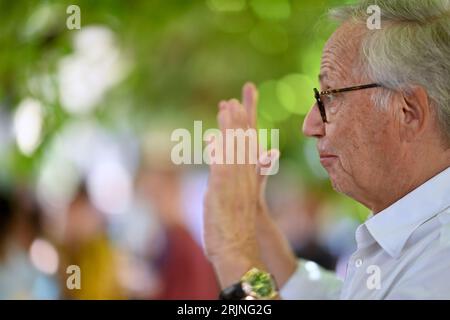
[[403, 252]]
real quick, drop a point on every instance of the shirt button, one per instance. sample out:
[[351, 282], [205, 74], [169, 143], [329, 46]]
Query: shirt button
[[358, 263]]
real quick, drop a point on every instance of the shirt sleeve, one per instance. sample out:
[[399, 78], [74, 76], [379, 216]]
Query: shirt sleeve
[[310, 281]]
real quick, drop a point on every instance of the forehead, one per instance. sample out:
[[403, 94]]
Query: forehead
[[341, 52]]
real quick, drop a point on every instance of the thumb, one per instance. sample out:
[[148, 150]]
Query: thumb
[[265, 162]]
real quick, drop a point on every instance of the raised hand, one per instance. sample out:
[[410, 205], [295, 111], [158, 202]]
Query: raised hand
[[238, 229]]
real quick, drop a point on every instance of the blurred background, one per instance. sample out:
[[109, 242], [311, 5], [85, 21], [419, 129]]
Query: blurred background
[[86, 118]]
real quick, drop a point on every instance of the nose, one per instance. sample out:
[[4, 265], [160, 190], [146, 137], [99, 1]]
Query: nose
[[313, 125]]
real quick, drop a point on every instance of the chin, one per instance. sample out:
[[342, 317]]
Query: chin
[[345, 189], [338, 187]]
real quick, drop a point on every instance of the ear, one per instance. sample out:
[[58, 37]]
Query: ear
[[415, 113]]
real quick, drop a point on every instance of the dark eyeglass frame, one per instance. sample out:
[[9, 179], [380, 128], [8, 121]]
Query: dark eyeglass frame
[[320, 103]]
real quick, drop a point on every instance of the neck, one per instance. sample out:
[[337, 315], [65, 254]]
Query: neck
[[406, 182]]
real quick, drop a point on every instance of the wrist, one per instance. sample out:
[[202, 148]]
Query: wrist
[[277, 254], [231, 267]]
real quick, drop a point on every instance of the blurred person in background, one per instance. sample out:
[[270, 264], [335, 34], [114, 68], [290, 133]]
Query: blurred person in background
[[25, 271], [184, 272], [6, 211], [87, 245]]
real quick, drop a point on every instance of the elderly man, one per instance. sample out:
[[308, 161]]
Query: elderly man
[[382, 125]]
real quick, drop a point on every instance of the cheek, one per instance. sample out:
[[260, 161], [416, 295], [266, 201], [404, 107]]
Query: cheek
[[366, 152], [352, 151]]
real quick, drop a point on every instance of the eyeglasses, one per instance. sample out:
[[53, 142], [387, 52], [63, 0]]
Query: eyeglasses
[[319, 100]]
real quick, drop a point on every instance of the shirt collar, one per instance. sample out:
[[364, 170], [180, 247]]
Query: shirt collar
[[393, 226]]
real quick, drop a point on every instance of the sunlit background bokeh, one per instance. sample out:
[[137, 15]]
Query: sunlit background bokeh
[[85, 123]]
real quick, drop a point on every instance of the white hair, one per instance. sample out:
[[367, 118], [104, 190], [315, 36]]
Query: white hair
[[411, 48]]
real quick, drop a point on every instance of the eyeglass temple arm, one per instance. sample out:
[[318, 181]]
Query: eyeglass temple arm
[[366, 86]]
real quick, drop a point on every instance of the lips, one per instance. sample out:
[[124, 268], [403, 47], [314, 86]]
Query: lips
[[327, 159]]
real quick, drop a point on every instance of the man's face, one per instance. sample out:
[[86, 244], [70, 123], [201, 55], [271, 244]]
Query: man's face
[[359, 146]]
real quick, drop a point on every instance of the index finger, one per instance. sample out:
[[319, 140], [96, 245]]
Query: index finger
[[250, 102]]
